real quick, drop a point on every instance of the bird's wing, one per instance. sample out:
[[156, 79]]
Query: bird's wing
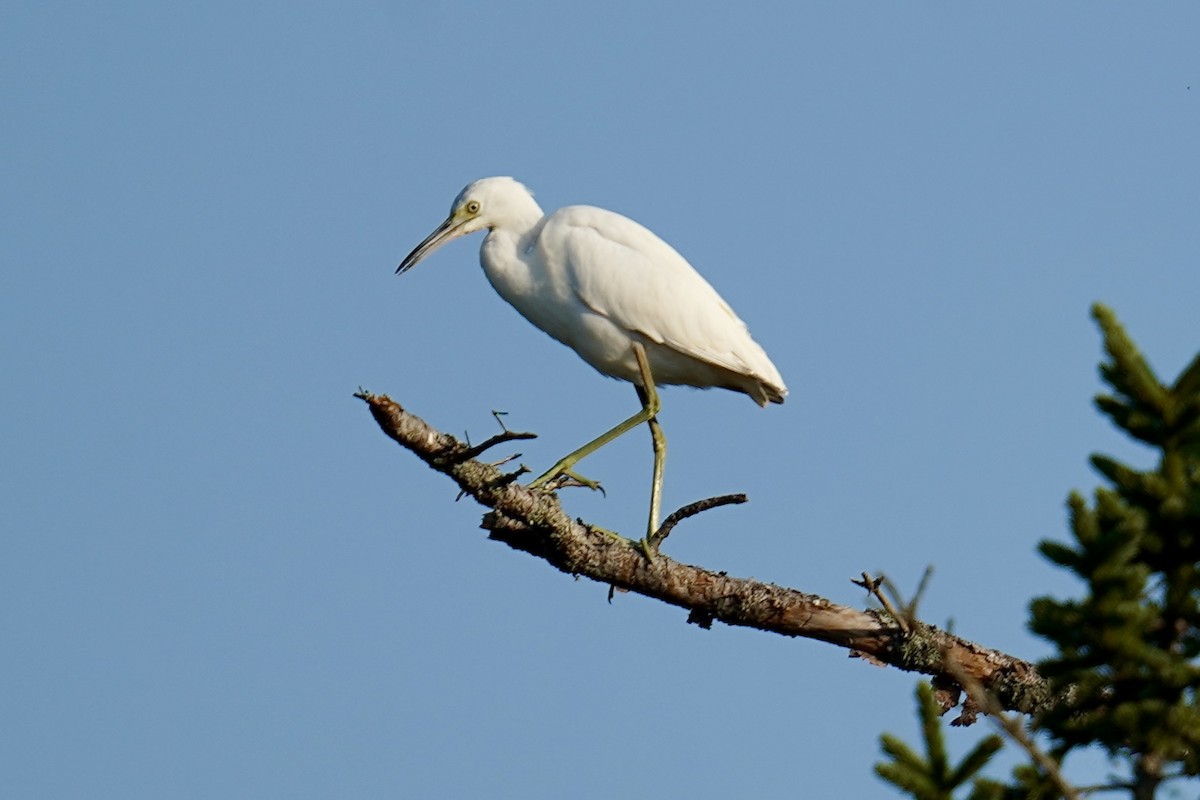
[[623, 271]]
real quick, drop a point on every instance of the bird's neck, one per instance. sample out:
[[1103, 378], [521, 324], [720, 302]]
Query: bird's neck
[[505, 257], [521, 216], [506, 249]]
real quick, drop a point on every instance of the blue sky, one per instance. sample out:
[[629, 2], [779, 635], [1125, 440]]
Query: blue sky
[[220, 580]]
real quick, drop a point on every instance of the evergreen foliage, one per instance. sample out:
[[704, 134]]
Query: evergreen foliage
[[1126, 662], [930, 777], [1126, 671]]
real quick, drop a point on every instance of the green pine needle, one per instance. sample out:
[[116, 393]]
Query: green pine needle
[[930, 777]]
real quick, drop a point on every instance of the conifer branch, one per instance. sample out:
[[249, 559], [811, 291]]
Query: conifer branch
[[983, 700]]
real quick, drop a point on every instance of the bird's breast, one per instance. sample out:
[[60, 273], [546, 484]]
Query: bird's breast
[[521, 275]]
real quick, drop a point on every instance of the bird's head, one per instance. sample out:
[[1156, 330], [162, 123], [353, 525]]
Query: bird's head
[[486, 203]]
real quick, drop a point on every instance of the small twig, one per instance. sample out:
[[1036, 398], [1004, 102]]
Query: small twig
[[504, 436], [504, 460], [910, 608], [510, 477], [986, 702], [503, 480], [872, 586], [691, 510], [613, 589]]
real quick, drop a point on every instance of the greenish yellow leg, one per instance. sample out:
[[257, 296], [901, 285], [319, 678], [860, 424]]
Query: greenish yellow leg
[[648, 394], [647, 413], [582, 481], [660, 459], [607, 532]]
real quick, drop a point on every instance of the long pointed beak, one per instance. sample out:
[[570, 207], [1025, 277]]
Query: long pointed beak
[[450, 229]]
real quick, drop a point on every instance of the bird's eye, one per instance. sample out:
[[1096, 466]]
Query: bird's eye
[[473, 207]]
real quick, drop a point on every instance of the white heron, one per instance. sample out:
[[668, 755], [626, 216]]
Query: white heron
[[617, 295]]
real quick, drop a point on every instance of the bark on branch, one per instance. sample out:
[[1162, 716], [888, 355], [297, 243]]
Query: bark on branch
[[533, 521]]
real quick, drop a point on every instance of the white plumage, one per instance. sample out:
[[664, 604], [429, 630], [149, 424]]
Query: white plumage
[[603, 285], [597, 282]]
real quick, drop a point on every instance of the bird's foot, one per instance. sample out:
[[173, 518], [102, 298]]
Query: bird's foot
[[572, 478], [563, 478], [649, 548], [606, 532]]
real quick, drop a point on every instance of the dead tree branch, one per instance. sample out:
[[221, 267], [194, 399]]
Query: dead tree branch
[[533, 521]]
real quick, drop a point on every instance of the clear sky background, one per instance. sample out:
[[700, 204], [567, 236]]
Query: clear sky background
[[219, 579]]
